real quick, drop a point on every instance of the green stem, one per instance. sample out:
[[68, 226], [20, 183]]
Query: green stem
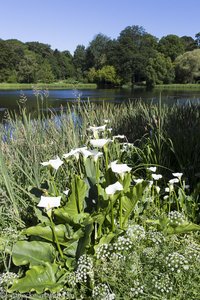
[[56, 238], [120, 212], [112, 216]]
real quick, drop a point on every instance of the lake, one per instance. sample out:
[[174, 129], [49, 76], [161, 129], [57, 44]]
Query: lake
[[56, 98]]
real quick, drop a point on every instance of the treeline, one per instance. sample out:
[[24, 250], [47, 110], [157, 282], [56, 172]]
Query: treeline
[[134, 57]]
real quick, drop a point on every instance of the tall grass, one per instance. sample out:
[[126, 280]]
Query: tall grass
[[164, 136]]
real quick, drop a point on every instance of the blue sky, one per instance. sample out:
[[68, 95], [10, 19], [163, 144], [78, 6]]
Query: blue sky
[[64, 24]]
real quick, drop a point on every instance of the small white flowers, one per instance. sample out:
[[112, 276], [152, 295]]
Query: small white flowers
[[113, 188], [119, 168], [54, 163], [99, 143], [49, 202]]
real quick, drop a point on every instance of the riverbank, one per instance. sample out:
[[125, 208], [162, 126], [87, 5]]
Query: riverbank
[[176, 86], [49, 86]]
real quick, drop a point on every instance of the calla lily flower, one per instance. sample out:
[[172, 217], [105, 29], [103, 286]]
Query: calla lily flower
[[119, 168], [113, 188], [152, 169], [99, 128], [119, 137], [66, 192], [74, 152], [96, 154], [174, 180], [178, 175], [156, 176], [139, 180], [54, 163], [99, 143], [49, 202]]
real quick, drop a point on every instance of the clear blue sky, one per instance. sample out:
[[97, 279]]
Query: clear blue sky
[[64, 24]]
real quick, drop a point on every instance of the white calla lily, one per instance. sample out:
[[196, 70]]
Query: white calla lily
[[97, 128], [54, 163], [139, 180], [156, 176], [96, 154], [66, 192], [119, 168], [152, 169], [99, 143], [49, 202], [178, 175], [113, 188], [74, 152], [174, 180]]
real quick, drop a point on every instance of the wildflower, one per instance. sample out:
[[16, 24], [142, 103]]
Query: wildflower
[[96, 154], [156, 176], [152, 169], [119, 137], [75, 152], [54, 163], [99, 128], [119, 168], [113, 188], [174, 180], [157, 188], [178, 175], [66, 192], [139, 180], [99, 142], [49, 202]]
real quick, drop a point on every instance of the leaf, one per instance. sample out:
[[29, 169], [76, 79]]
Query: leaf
[[33, 253], [90, 170], [39, 279], [46, 232], [104, 240], [183, 228], [84, 242], [79, 188]]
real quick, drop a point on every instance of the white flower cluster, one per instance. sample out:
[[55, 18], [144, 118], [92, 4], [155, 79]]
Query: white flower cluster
[[84, 269], [102, 292], [6, 279], [176, 218], [136, 232], [163, 284], [150, 253], [176, 262], [137, 289], [192, 252], [114, 251], [155, 237]]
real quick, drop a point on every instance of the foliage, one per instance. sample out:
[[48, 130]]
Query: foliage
[[86, 248], [187, 67]]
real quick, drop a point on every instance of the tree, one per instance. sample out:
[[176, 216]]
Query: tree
[[79, 60], [189, 43], [27, 69], [171, 46], [44, 73], [159, 70], [187, 67], [96, 52], [135, 46]]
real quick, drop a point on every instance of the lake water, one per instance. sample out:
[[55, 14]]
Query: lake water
[[56, 98]]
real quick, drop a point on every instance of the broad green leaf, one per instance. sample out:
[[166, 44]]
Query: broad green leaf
[[79, 188], [39, 279], [33, 253], [64, 215], [183, 228], [90, 170], [46, 232], [84, 242]]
